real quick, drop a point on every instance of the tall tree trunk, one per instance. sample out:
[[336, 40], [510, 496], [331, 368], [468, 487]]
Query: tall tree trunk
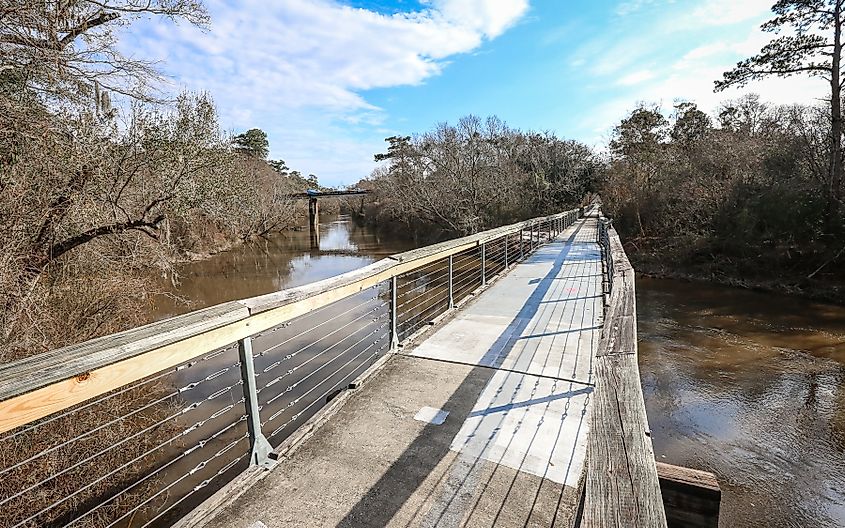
[[835, 194]]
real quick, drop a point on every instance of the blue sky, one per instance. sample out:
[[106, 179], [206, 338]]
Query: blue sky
[[328, 80]]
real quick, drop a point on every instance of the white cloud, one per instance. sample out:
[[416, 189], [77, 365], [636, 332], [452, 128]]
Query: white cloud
[[636, 77], [671, 66], [626, 8], [490, 17], [266, 63], [323, 53], [725, 12]]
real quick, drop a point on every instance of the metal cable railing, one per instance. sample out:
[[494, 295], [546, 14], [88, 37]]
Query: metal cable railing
[[603, 240], [105, 460], [145, 450]]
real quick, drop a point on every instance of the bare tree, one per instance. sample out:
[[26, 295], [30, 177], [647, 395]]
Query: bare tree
[[477, 174], [63, 48]]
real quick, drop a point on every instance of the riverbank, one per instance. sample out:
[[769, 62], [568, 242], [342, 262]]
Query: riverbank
[[760, 275]]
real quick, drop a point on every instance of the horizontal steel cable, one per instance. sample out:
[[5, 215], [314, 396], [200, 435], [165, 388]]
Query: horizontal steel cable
[[118, 419], [297, 415], [191, 407], [109, 396], [292, 387], [134, 460], [311, 329], [309, 345]]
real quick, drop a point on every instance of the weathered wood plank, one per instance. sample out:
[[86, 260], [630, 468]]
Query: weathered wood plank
[[688, 476], [44, 399], [22, 376], [622, 487]]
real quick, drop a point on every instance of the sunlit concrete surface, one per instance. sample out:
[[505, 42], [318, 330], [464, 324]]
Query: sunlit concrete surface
[[513, 369]]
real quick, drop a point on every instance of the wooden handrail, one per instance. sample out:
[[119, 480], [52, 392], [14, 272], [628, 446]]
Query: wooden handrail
[[622, 487], [47, 383]]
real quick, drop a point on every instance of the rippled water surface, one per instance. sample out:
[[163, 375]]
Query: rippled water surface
[[750, 386]]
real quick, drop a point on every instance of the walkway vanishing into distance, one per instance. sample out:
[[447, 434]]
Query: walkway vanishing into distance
[[489, 380], [514, 371]]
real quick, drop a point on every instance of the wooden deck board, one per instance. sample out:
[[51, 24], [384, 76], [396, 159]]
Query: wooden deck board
[[543, 318], [539, 327]]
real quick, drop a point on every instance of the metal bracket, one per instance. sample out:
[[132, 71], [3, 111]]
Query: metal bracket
[[260, 449]]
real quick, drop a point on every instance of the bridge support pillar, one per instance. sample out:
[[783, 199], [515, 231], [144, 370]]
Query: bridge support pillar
[[313, 213]]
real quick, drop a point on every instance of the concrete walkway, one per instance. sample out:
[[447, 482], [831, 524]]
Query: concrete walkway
[[514, 371]]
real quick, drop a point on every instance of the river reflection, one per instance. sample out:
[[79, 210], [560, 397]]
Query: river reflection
[[750, 387], [285, 260]]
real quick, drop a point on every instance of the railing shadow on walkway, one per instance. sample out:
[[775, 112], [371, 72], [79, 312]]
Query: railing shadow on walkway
[[406, 474]]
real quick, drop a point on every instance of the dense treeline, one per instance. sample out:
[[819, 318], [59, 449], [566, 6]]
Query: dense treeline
[[461, 179], [742, 197]]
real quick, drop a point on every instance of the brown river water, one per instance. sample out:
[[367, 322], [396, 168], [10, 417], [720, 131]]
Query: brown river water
[[750, 386], [285, 260], [747, 385]]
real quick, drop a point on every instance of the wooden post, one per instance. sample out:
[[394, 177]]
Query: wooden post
[[690, 497]]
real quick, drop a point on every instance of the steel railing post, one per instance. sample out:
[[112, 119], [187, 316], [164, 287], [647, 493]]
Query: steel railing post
[[483, 263], [394, 315], [531, 237], [507, 239], [521, 244], [260, 448], [451, 283]]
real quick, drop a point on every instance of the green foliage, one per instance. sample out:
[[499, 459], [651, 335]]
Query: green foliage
[[396, 146], [279, 166], [806, 50], [812, 45], [691, 125], [253, 143]]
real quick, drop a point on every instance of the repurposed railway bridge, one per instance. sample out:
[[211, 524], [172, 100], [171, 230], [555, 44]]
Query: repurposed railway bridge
[[488, 380], [313, 197]]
